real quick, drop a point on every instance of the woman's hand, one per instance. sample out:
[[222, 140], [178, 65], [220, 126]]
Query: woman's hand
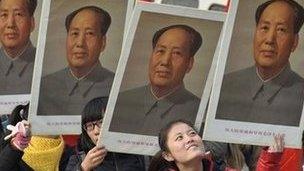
[[21, 135], [278, 145], [93, 158]]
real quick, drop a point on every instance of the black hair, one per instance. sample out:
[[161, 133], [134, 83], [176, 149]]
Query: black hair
[[303, 139], [93, 110], [19, 113], [158, 163], [31, 6], [195, 37], [104, 16], [297, 9]]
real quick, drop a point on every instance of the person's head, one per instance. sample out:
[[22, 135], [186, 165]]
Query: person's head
[[278, 23], [18, 114], [86, 36], [180, 143], [173, 53], [91, 120], [16, 23]]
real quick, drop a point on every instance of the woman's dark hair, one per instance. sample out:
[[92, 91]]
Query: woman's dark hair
[[19, 113], [303, 139], [158, 163], [93, 110]]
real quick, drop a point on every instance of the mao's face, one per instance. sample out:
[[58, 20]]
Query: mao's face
[[274, 37], [184, 144], [84, 41], [170, 59], [16, 24]]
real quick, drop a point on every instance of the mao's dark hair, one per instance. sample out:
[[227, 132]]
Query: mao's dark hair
[[31, 6], [194, 37], [104, 18]]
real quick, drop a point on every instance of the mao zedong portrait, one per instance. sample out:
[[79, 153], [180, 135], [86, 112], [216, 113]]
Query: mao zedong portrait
[[17, 53], [269, 92], [144, 110], [65, 92]]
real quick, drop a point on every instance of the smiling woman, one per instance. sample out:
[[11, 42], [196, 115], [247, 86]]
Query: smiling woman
[[181, 149]]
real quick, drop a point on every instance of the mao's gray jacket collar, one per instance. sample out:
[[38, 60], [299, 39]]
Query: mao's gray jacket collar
[[86, 84], [272, 87], [20, 64]]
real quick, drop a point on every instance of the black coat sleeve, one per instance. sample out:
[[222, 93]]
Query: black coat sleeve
[[10, 158]]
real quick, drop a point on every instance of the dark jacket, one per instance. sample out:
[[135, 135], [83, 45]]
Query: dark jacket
[[112, 162], [208, 165], [11, 159]]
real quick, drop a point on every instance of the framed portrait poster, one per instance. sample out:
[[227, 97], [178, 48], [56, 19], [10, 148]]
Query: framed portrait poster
[[258, 88], [166, 45], [17, 57], [79, 48]]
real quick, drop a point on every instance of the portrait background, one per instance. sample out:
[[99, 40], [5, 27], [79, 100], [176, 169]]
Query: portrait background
[[241, 48], [55, 51]]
